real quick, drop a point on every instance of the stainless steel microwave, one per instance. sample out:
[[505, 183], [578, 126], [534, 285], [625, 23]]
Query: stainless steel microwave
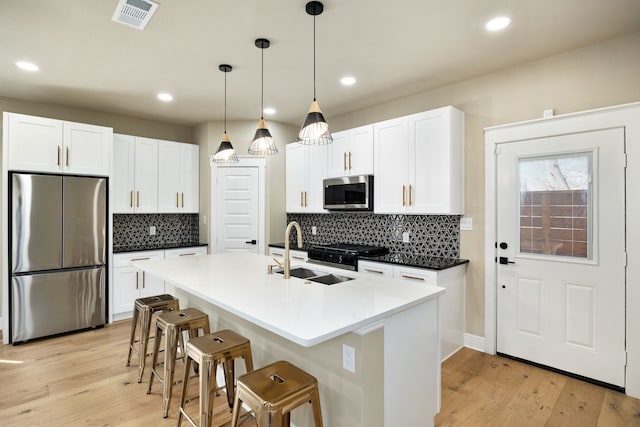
[[349, 193]]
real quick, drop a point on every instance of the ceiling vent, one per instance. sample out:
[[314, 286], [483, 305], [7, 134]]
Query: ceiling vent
[[134, 13]]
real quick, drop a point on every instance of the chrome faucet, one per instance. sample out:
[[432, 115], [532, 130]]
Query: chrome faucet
[[287, 259]]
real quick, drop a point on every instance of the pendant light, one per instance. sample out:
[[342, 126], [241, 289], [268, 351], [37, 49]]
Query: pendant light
[[225, 153], [263, 143], [315, 129]]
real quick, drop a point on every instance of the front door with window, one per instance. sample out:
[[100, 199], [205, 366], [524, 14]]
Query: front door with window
[[561, 252]]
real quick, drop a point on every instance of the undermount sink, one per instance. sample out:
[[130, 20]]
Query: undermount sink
[[316, 276]]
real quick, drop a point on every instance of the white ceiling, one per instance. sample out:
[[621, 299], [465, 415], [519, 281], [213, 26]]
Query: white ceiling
[[394, 48]]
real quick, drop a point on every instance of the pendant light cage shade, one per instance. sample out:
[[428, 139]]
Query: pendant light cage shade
[[262, 143], [315, 130], [225, 153]]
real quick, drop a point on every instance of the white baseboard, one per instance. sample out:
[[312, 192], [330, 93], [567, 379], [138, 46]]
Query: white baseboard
[[474, 341]]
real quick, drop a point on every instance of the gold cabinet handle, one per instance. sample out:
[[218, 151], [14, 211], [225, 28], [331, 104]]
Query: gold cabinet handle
[[344, 160], [277, 254], [302, 199], [406, 276], [138, 199], [297, 257], [305, 200], [136, 280], [58, 155], [410, 195], [189, 254], [183, 199], [131, 198], [140, 259], [143, 279], [67, 156], [371, 270], [176, 199], [349, 160], [404, 190]]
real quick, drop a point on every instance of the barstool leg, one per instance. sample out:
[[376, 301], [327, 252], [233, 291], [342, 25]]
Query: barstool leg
[[237, 404], [132, 339], [185, 383], [145, 325], [154, 359], [170, 350], [315, 406], [229, 367], [207, 370]]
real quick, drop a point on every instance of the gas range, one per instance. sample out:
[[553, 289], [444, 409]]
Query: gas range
[[343, 255]]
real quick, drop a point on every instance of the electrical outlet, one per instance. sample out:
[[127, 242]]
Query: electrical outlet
[[204, 219], [349, 358], [466, 223], [314, 230], [405, 237], [152, 230]]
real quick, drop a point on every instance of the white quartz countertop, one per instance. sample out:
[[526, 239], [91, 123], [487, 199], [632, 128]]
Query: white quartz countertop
[[305, 313]]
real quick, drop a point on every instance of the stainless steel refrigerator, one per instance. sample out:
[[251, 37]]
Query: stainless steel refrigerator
[[58, 254]]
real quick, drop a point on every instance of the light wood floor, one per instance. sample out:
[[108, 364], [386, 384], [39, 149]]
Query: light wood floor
[[81, 380]]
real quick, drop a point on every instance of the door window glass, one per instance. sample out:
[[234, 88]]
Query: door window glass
[[555, 205]]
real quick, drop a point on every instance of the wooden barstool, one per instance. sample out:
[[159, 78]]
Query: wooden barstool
[[209, 350], [143, 310], [172, 325], [273, 392]]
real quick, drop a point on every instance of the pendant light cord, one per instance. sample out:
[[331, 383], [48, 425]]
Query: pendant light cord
[[262, 86], [225, 102], [314, 57]]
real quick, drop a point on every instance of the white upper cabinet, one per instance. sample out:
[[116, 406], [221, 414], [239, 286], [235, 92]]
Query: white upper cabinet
[[306, 168], [47, 145], [418, 163], [351, 152], [135, 174], [178, 177]]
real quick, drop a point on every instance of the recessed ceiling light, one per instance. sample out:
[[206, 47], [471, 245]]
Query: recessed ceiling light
[[269, 111], [348, 81], [497, 24], [166, 97], [27, 66]]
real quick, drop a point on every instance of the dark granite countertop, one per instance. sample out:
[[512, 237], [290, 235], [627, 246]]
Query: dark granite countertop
[[420, 261], [156, 246], [305, 246]]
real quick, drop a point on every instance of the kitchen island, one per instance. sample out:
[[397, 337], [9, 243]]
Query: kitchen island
[[372, 343]]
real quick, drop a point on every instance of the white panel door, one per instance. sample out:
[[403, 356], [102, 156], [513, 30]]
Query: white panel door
[[168, 177], [35, 143], [123, 177], [391, 148], [146, 175], [87, 149], [237, 209], [561, 253]]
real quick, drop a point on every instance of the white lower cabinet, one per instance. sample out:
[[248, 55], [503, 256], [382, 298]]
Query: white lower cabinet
[[451, 303], [296, 255], [130, 283]]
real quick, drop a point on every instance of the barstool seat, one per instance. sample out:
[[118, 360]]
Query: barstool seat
[[273, 391], [172, 324], [143, 310], [209, 350]]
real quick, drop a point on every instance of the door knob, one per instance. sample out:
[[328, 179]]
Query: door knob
[[504, 260], [253, 242]]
